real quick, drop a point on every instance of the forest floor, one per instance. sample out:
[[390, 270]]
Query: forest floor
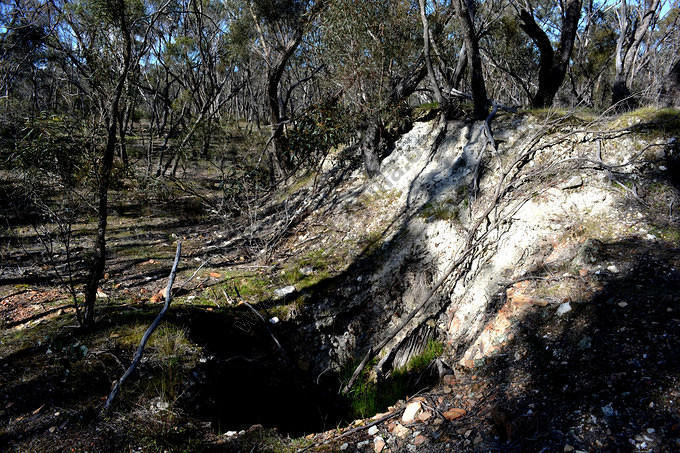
[[604, 376]]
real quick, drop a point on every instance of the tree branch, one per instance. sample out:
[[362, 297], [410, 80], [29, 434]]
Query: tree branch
[[142, 344]]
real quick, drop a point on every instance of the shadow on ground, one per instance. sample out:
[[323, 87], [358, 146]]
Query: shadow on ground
[[604, 377]]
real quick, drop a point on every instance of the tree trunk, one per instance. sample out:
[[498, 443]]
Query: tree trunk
[[404, 86], [461, 64], [553, 65], [621, 93], [426, 53], [370, 140], [471, 40], [279, 154], [99, 259], [371, 133], [627, 48], [670, 93]]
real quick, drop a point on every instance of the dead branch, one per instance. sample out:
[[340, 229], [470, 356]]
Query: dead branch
[[140, 350], [186, 282]]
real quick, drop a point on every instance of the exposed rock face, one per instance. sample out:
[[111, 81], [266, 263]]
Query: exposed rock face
[[432, 200]]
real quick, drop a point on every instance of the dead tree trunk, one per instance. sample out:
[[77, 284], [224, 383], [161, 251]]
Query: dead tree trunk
[[461, 64], [426, 53], [553, 64]]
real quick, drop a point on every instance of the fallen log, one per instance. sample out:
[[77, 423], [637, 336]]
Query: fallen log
[[142, 344]]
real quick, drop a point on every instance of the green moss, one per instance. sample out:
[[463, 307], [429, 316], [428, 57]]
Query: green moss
[[440, 211], [649, 122], [425, 111], [369, 397], [427, 106], [319, 262], [565, 117], [253, 287], [128, 336]]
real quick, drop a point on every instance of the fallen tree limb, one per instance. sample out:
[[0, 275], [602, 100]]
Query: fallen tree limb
[[192, 276], [140, 350]]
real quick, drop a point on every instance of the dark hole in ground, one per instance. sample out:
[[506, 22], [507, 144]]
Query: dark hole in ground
[[246, 381], [243, 380]]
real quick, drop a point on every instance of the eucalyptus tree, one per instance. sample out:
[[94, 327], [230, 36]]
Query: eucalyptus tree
[[100, 42], [194, 60], [592, 58], [653, 66], [553, 63], [22, 55], [465, 10], [635, 22], [280, 26], [665, 58], [375, 65]]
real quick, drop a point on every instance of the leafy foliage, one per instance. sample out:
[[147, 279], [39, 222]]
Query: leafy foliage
[[319, 129]]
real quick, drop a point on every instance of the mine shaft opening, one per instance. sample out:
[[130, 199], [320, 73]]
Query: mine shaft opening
[[245, 381]]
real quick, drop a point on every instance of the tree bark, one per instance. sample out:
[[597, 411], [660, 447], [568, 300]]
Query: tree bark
[[99, 259], [627, 48], [461, 64], [426, 53], [279, 158], [670, 93], [368, 145], [477, 85], [553, 64]]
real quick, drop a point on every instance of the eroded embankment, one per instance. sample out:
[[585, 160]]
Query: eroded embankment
[[543, 273], [490, 235]]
